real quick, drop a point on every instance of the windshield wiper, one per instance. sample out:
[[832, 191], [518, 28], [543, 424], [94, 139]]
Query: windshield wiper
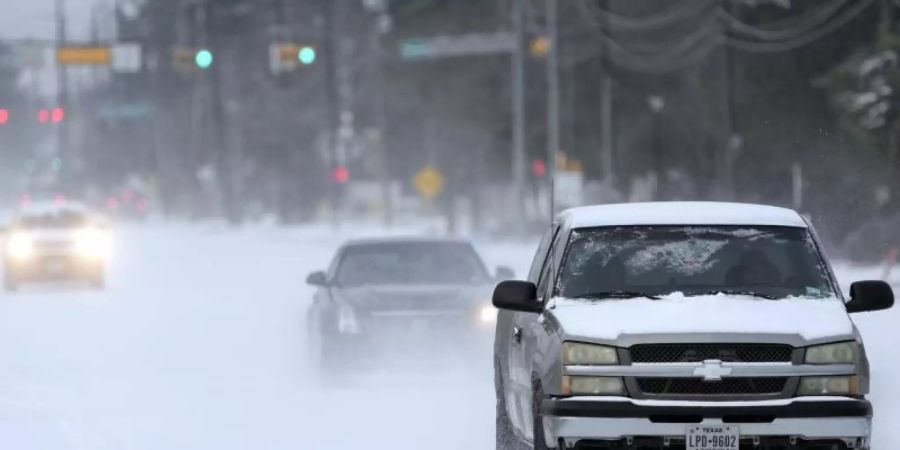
[[619, 294], [733, 292]]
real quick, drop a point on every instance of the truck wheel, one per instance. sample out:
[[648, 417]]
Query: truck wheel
[[10, 285], [537, 396], [98, 282], [506, 436]]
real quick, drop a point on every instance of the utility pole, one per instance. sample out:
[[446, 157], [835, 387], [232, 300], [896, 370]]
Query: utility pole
[[330, 12], [381, 24], [518, 108], [224, 172], [552, 99], [606, 118], [62, 88], [734, 141]]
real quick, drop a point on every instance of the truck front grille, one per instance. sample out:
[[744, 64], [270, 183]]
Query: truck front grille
[[674, 353], [727, 386]]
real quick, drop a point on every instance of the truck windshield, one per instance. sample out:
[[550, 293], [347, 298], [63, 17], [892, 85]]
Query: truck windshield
[[649, 261]]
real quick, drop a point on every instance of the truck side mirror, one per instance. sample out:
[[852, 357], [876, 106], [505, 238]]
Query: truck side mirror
[[870, 296], [517, 296]]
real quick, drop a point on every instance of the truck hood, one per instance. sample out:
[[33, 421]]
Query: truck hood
[[805, 320]]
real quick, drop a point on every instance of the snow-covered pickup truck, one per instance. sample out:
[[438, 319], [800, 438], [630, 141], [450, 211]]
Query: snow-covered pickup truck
[[682, 325]]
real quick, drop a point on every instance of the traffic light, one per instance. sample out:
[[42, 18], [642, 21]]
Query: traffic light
[[341, 174], [43, 116], [203, 58], [57, 115], [288, 57], [4, 116], [306, 55]]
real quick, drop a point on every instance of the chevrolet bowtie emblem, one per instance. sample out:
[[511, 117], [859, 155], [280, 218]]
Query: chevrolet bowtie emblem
[[712, 370]]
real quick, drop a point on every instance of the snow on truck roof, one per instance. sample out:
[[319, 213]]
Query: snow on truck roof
[[681, 213]]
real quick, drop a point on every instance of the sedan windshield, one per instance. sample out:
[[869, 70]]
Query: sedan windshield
[[53, 219], [648, 261], [410, 263]]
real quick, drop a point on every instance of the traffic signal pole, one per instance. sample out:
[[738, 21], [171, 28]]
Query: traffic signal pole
[[518, 108], [224, 169], [552, 99], [62, 87]]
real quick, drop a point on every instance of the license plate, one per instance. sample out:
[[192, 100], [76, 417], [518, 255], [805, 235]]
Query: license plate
[[714, 437]]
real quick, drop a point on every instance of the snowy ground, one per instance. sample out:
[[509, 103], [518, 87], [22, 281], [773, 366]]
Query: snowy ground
[[198, 344]]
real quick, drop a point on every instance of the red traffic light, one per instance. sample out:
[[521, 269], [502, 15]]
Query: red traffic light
[[43, 116], [341, 174], [58, 115], [4, 116], [539, 168]]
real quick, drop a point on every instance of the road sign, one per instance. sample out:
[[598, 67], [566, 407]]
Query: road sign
[[460, 45], [126, 58], [84, 56], [429, 182]]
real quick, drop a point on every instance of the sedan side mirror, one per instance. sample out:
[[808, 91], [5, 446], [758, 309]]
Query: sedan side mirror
[[517, 296], [505, 273], [317, 279], [870, 296]]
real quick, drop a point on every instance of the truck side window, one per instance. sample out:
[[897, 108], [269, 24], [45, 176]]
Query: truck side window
[[540, 255]]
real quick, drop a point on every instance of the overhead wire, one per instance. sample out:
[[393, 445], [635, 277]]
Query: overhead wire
[[662, 58], [800, 41]]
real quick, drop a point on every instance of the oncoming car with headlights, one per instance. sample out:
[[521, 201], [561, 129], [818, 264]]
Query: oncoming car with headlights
[[381, 296], [682, 325], [50, 242]]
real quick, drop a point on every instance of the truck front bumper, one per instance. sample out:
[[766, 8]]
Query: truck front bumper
[[599, 423]]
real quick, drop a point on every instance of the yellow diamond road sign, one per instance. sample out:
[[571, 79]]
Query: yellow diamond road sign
[[429, 182]]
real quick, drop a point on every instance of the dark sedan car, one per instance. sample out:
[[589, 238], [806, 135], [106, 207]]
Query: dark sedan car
[[395, 297]]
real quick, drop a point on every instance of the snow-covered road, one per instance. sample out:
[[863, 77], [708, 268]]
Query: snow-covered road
[[198, 343]]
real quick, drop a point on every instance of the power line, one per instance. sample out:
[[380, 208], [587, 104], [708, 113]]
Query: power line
[[663, 58], [800, 41]]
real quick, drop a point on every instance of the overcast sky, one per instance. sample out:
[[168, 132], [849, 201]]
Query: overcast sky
[[34, 18]]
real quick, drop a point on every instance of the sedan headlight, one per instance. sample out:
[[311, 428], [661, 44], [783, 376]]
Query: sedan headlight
[[829, 386], [20, 246], [840, 353], [577, 353], [592, 385], [487, 314], [91, 243]]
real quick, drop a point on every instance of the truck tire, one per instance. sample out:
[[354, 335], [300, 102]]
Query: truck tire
[[506, 436], [10, 285], [536, 397]]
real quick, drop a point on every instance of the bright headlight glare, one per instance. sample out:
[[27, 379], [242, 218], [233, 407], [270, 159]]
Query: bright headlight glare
[[347, 321], [593, 386], [577, 353], [20, 246], [829, 386], [841, 353], [92, 243], [487, 314]]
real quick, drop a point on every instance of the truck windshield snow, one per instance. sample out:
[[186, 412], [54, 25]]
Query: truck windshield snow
[[649, 261]]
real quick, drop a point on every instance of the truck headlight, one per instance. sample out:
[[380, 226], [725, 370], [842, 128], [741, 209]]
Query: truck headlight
[[20, 246], [578, 353], [572, 385], [840, 353], [829, 386], [91, 243]]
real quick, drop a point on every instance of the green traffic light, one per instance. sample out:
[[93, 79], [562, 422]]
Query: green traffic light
[[204, 59], [307, 55]]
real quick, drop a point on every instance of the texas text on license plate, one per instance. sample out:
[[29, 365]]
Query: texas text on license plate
[[712, 437]]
